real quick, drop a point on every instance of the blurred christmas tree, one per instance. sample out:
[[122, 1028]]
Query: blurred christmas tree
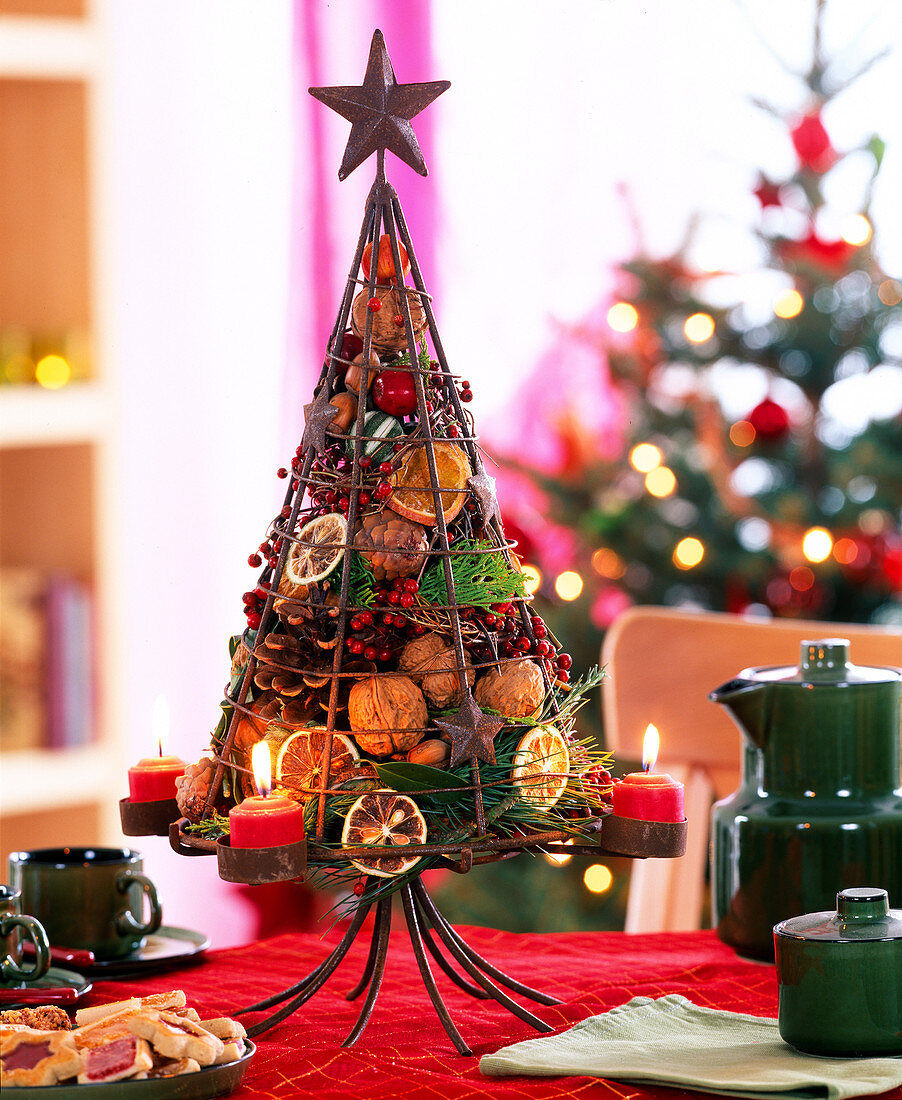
[[788, 505]]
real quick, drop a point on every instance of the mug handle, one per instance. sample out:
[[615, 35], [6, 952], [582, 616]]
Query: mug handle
[[126, 922], [9, 968]]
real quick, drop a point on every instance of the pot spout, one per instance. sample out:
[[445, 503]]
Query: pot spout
[[744, 699]]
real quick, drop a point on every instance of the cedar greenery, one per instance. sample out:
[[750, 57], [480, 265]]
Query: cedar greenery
[[481, 575]]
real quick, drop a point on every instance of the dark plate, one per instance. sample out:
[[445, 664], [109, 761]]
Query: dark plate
[[212, 1081], [165, 948], [55, 979]]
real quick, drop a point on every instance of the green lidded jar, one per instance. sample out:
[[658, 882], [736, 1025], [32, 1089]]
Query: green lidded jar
[[819, 806], [840, 977]]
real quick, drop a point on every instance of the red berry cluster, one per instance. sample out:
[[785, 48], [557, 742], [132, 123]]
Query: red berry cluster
[[598, 783], [377, 634], [254, 602]]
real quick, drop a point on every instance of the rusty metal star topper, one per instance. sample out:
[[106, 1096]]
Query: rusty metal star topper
[[318, 415], [472, 732], [380, 111]]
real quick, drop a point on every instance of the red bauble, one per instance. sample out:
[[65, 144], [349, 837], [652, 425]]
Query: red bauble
[[394, 392], [816, 252], [770, 421], [351, 346], [812, 143]]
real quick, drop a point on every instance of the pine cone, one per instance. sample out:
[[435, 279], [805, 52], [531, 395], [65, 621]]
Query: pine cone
[[193, 787], [299, 672], [281, 659], [395, 547]]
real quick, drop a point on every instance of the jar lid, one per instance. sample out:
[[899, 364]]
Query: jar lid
[[862, 913], [823, 661]]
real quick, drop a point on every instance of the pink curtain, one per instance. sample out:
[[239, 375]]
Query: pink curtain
[[329, 49]]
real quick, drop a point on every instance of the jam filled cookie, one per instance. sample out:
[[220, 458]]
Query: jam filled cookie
[[116, 1060], [175, 1037], [174, 999], [170, 1069], [224, 1028], [38, 1058]]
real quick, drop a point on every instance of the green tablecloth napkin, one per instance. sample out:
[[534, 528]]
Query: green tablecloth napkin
[[671, 1041]]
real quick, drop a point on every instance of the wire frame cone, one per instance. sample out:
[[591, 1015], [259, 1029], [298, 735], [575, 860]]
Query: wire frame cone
[[382, 215]]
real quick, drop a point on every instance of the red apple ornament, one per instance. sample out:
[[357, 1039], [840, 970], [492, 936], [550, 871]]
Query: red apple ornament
[[385, 266], [394, 392]]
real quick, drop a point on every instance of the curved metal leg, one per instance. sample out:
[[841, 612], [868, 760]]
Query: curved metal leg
[[311, 985], [426, 974], [370, 963], [478, 960], [493, 991], [458, 979], [383, 920]]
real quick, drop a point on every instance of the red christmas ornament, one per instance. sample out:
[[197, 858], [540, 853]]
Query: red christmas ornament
[[812, 143], [816, 252], [767, 192], [770, 421], [351, 346], [394, 392]]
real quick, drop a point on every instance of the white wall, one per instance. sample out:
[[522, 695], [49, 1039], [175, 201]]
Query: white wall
[[198, 119]]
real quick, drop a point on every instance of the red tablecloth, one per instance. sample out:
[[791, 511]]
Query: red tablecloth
[[405, 1052]]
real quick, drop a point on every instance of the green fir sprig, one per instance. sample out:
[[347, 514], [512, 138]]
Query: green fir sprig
[[211, 828], [480, 578]]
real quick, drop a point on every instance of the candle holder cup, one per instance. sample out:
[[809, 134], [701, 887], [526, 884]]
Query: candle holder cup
[[254, 866], [148, 818], [630, 836]]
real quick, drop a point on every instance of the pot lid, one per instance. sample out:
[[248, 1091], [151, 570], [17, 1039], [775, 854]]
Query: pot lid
[[823, 661], [862, 913]]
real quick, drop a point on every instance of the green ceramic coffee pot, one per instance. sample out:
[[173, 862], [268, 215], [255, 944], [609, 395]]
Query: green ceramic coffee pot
[[819, 806]]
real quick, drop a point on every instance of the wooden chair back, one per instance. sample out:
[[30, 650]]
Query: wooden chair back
[[661, 664]]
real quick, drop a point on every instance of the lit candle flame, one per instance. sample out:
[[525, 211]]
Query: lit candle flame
[[261, 762], [650, 745], [159, 723]]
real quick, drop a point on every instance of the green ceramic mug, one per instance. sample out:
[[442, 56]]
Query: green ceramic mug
[[13, 928], [89, 898]]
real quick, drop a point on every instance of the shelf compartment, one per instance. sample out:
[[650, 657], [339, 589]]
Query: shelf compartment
[[31, 416]]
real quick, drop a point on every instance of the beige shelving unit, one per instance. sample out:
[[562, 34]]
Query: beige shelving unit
[[57, 447]]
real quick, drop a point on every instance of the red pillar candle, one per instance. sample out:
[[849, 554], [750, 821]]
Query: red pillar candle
[[649, 795], [264, 822], [153, 778]]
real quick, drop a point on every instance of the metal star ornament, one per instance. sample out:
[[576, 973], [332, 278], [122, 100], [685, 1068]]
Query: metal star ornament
[[318, 415], [472, 732], [380, 111], [483, 488]]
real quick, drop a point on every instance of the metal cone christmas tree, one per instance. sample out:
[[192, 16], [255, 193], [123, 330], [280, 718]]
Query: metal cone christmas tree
[[414, 707]]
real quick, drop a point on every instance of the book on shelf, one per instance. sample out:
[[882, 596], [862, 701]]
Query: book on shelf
[[47, 655]]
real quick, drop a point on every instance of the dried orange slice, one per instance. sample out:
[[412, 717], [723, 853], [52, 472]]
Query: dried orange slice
[[412, 496], [299, 764], [319, 548], [384, 818], [541, 764]]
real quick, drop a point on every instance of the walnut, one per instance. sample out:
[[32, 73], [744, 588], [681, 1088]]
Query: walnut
[[515, 689], [434, 753], [387, 713], [387, 334], [431, 662]]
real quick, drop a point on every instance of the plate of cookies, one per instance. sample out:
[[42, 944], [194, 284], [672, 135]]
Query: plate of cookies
[[145, 1047]]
